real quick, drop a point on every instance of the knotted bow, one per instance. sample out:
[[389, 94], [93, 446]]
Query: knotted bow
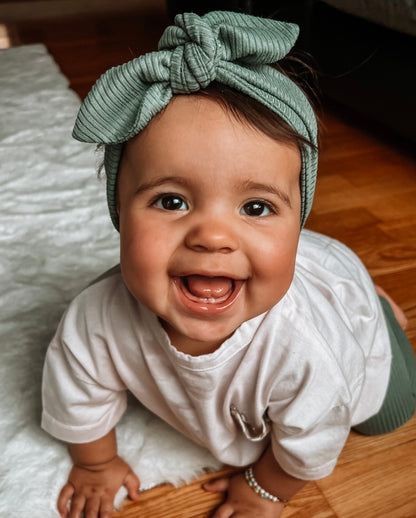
[[231, 48], [196, 52]]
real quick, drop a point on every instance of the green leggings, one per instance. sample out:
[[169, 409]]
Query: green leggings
[[400, 400]]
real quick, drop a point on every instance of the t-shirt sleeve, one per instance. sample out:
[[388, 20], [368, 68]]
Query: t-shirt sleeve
[[83, 396], [310, 451], [310, 411], [339, 275]]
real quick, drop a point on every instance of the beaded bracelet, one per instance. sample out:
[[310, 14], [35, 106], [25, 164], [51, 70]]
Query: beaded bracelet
[[252, 482]]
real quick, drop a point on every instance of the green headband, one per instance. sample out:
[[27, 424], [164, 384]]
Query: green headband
[[230, 48]]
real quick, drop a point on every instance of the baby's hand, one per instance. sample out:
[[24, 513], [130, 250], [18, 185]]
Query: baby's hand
[[91, 490], [241, 500]]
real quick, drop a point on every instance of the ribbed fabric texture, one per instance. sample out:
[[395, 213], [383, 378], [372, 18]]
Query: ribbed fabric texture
[[231, 48], [400, 400]]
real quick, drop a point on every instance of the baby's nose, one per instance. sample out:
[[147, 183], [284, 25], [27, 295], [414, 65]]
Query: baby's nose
[[213, 235]]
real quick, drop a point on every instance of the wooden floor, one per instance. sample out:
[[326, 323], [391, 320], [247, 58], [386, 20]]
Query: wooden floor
[[366, 197]]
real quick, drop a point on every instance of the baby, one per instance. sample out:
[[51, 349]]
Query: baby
[[261, 341]]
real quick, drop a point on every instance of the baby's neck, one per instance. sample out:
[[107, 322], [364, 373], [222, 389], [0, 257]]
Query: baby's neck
[[196, 348]]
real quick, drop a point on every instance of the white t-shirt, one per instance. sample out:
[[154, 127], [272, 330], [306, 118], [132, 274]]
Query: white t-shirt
[[299, 375]]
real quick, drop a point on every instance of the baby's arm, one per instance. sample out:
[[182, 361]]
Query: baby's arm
[[96, 476], [243, 501]]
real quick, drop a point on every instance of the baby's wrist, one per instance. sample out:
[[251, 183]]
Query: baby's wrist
[[96, 454], [273, 480], [259, 490], [96, 466]]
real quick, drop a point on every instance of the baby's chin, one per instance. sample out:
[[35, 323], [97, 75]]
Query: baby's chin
[[199, 341]]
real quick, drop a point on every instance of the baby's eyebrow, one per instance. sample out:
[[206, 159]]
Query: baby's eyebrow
[[158, 182], [250, 185]]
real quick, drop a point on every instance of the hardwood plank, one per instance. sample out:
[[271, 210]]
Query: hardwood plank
[[381, 485], [188, 501], [359, 447], [332, 194], [309, 503]]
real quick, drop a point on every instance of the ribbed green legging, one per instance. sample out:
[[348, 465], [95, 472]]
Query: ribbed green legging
[[400, 400]]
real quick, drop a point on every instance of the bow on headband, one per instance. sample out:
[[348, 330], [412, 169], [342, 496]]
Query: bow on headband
[[230, 48]]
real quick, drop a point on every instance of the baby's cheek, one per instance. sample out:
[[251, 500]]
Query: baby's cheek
[[275, 276], [277, 262]]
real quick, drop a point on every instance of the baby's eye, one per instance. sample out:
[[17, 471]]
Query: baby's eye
[[257, 208], [171, 202]]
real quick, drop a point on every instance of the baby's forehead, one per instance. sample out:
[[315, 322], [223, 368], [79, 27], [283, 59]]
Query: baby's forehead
[[213, 109], [200, 118]]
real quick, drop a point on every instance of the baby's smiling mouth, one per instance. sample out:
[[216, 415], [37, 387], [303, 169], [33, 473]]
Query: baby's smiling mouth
[[207, 295], [212, 290]]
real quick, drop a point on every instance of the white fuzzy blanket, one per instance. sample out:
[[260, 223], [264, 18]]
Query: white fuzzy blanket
[[55, 237]]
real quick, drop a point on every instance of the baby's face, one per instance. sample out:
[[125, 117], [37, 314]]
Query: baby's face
[[209, 221]]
